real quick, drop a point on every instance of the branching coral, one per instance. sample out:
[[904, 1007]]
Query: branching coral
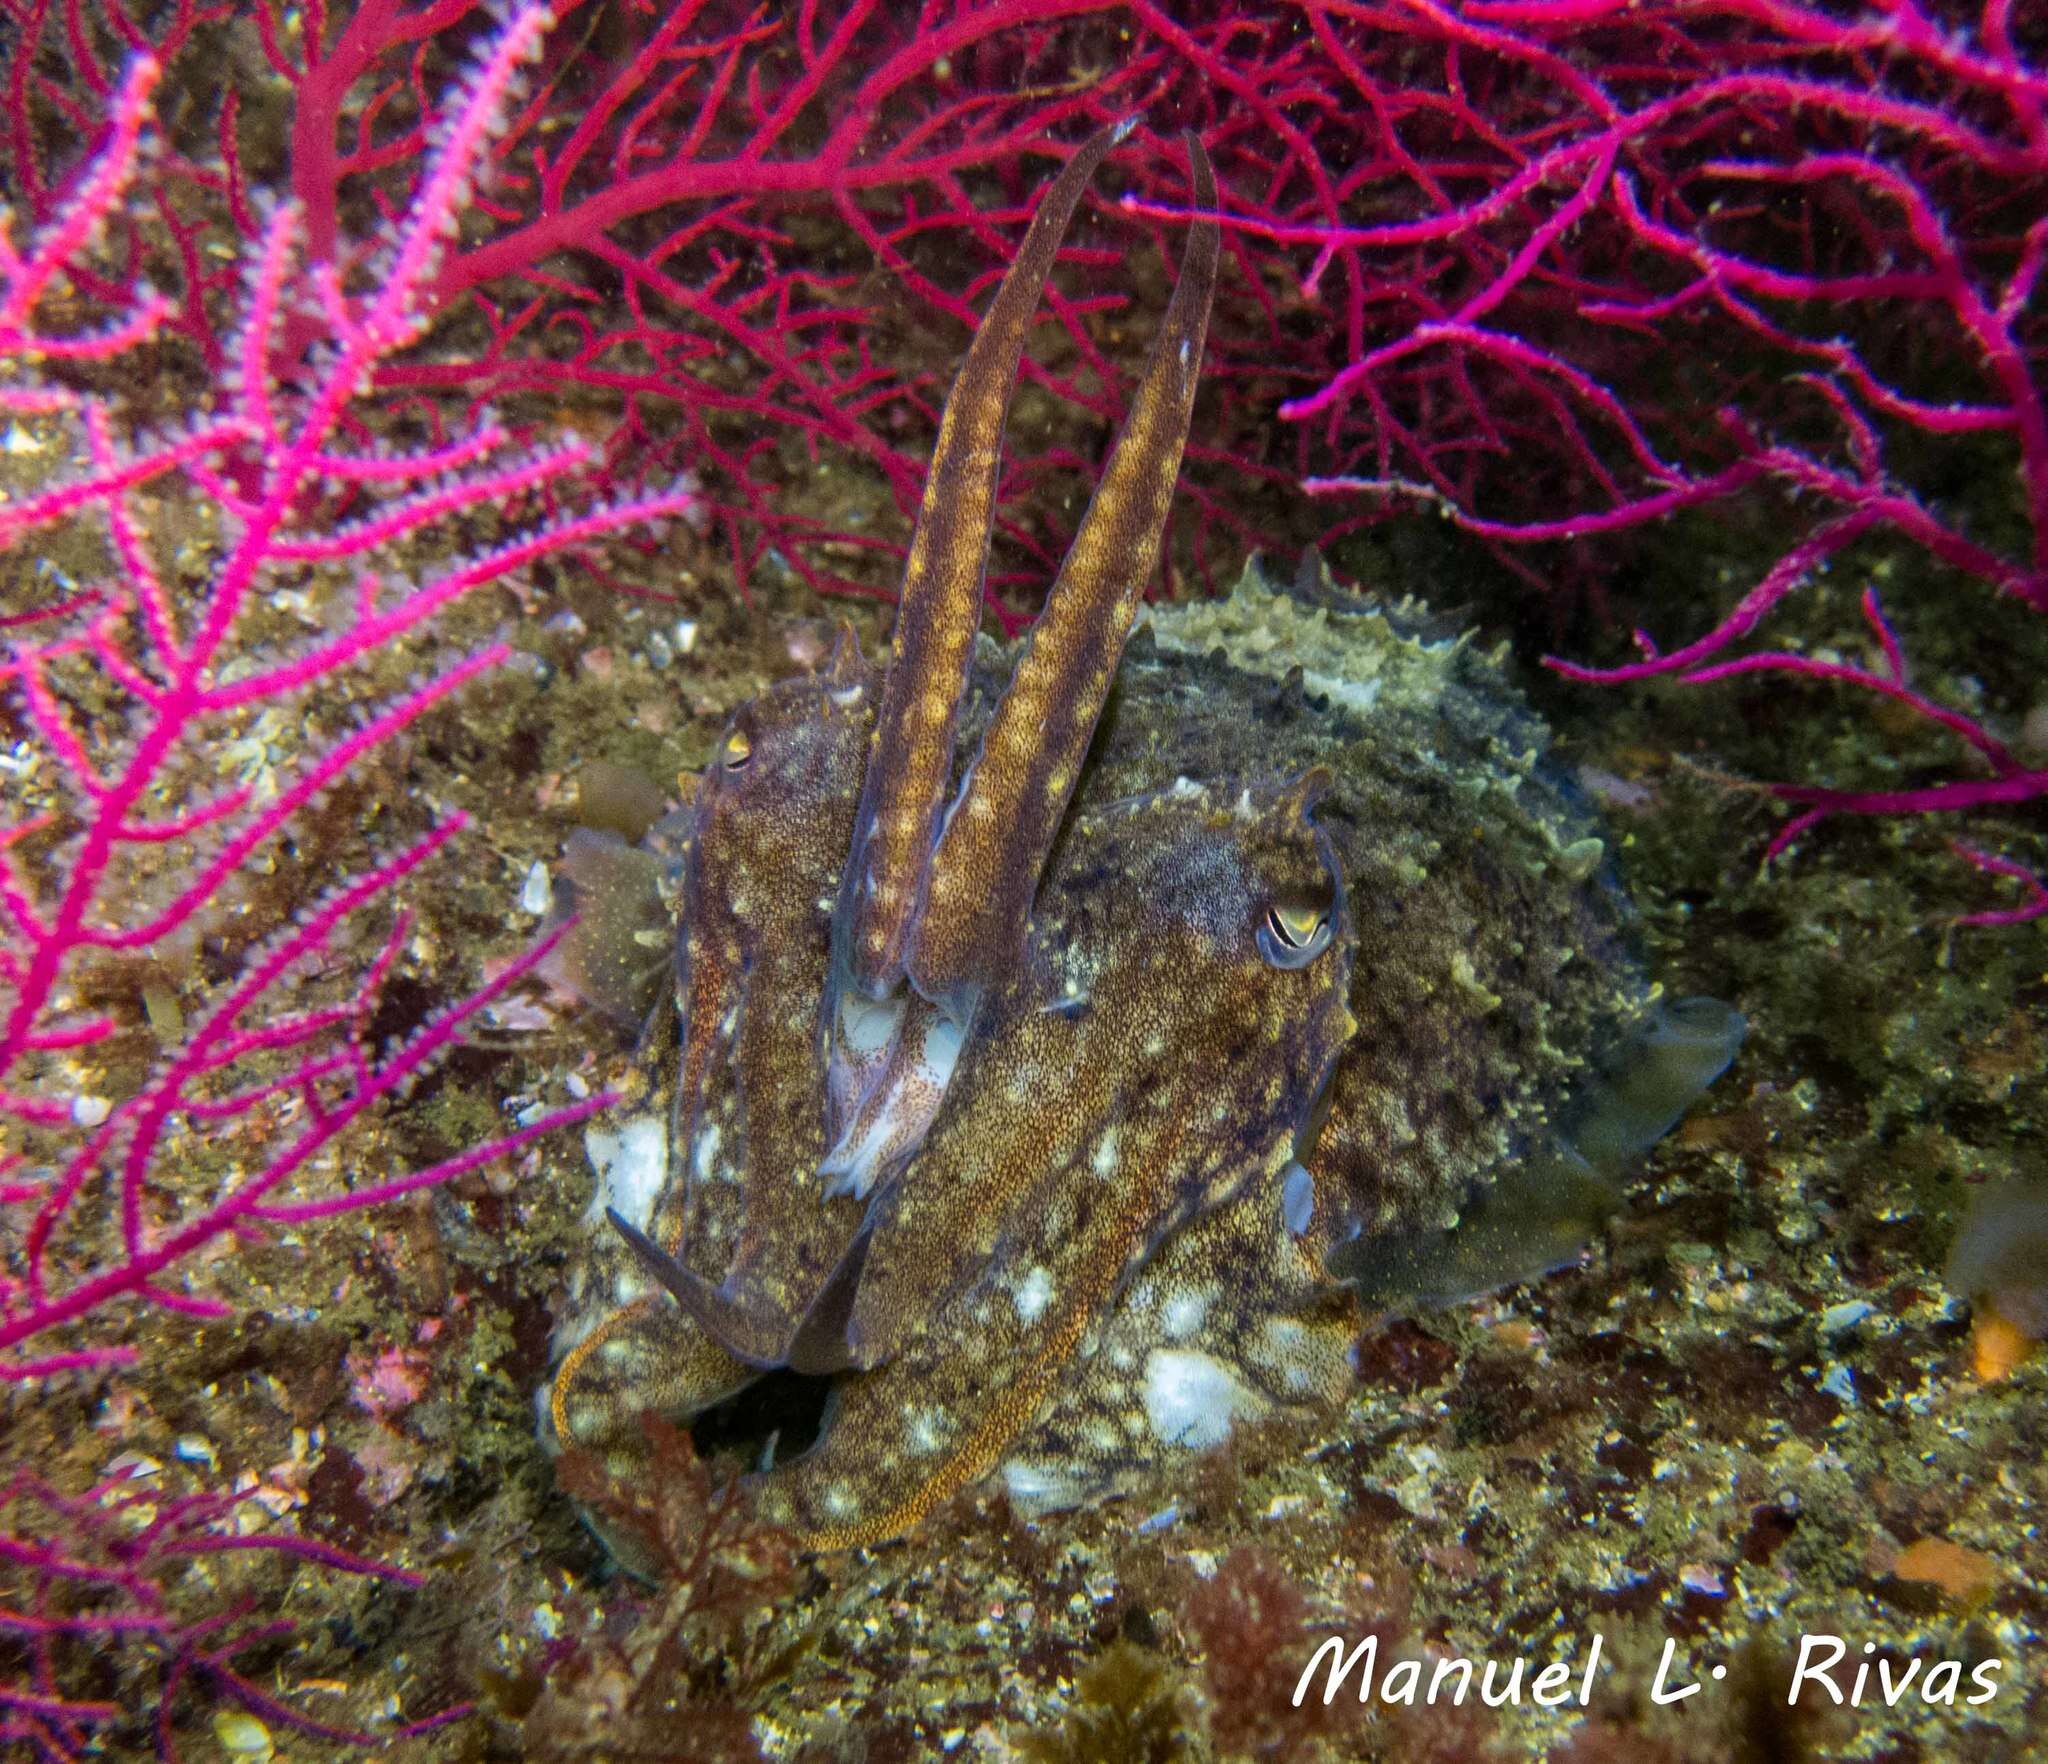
[[140, 684], [92, 1616], [152, 778], [1563, 271]]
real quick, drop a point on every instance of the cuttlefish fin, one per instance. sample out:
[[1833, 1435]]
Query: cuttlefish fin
[[911, 759], [1539, 1213], [992, 850]]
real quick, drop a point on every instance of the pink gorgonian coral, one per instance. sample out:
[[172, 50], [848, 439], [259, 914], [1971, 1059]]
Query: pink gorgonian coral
[[170, 729], [91, 1573], [1754, 255]]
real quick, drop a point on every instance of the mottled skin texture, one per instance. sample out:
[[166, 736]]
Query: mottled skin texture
[[1033, 1122], [1079, 1136], [752, 893], [752, 959]]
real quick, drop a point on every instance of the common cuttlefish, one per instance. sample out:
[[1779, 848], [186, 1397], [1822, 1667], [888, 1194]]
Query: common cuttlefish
[[1071, 1042]]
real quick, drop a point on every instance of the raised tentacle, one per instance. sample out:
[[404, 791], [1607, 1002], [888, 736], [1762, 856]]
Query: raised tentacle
[[911, 760], [985, 871]]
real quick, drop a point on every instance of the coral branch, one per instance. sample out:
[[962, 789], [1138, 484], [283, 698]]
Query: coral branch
[[123, 840], [121, 1546]]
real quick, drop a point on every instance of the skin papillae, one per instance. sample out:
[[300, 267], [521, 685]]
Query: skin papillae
[[1002, 1083]]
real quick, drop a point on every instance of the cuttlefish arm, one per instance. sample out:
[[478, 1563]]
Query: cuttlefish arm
[[939, 608], [756, 1237], [1076, 1141], [888, 1058], [992, 851], [1151, 958], [960, 923]]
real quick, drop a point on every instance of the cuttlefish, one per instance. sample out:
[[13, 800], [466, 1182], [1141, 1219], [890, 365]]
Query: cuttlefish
[[1067, 1043]]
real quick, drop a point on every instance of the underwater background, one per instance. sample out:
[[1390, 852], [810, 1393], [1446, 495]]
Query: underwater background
[[337, 599]]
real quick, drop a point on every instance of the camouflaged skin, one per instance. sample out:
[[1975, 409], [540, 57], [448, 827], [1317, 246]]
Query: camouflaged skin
[[1096, 1260], [1034, 1122]]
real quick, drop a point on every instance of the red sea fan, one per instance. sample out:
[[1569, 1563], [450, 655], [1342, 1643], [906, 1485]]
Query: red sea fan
[[1749, 255], [718, 237], [1563, 270]]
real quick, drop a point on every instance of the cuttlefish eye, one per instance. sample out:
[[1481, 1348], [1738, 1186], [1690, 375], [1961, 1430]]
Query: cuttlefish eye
[[736, 752], [1294, 933]]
